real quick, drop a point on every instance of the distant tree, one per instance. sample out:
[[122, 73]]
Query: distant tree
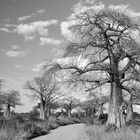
[[69, 104], [134, 99], [45, 90], [34, 112], [10, 99], [89, 107]]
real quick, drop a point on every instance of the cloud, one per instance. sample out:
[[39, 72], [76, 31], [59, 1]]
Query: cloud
[[65, 31], [37, 68], [50, 41], [25, 18], [21, 19], [41, 11], [5, 30], [15, 47], [125, 9], [12, 53], [18, 66], [31, 30]]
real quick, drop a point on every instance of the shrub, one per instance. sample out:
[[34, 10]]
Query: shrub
[[53, 123]]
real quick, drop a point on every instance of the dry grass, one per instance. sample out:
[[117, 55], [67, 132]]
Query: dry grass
[[17, 128], [99, 133]]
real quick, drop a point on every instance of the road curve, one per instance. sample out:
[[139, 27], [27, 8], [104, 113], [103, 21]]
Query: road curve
[[69, 132]]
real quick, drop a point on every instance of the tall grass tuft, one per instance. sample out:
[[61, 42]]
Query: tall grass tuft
[[98, 133]]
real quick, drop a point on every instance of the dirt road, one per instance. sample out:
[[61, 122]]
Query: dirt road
[[70, 132]]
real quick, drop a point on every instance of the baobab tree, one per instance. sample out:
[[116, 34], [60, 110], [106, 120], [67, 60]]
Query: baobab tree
[[105, 39], [45, 90], [10, 99], [69, 104]]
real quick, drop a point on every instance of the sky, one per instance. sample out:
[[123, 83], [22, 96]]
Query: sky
[[30, 33]]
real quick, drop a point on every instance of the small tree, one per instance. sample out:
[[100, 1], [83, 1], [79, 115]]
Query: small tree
[[10, 99], [69, 104], [45, 90]]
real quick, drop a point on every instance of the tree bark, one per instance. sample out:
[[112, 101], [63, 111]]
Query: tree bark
[[48, 112], [69, 113], [7, 111], [42, 110], [116, 99]]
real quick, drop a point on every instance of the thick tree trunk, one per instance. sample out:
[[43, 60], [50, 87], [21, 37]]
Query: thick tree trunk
[[42, 111], [7, 111], [69, 113], [115, 111], [116, 100], [48, 112]]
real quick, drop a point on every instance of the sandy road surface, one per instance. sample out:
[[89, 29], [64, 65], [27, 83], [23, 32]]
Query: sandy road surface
[[70, 132]]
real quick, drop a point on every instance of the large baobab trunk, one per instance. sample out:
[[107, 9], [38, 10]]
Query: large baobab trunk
[[116, 99], [69, 113], [42, 110], [7, 111]]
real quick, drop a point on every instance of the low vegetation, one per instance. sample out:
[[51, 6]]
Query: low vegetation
[[97, 130], [100, 133], [21, 128]]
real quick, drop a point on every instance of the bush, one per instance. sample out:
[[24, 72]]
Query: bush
[[53, 123]]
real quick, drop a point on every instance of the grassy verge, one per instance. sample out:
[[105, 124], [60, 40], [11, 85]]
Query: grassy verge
[[20, 129], [101, 133]]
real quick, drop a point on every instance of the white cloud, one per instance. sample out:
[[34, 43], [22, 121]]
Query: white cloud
[[12, 53], [31, 30], [18, 66], [5, 30], [125, 9], [15, 47], [25, 18], [41, 11], [37, 68], [21, 19], [50, 41], [90, 1], [65, 31]]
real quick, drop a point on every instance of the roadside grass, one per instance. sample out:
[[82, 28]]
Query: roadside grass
[[19, 128], [95, 132]]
